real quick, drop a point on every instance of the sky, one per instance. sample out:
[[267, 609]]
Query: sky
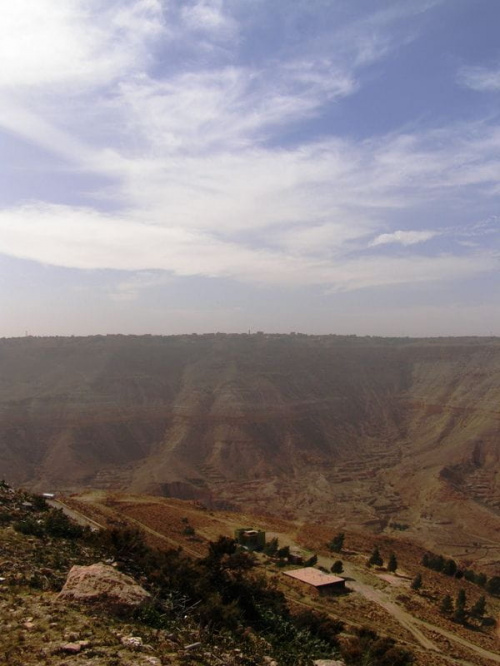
[[178, 166]]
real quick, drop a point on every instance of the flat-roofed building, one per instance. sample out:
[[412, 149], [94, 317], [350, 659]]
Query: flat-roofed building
[[317, 580], [250, 538]]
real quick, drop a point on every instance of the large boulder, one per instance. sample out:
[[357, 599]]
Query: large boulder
[[102, 584]]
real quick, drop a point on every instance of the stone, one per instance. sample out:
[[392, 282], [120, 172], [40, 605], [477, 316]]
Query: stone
[[328, 662], [71, 648], [134, 642], [101, 584]]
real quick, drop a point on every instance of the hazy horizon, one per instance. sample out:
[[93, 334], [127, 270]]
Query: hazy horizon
[[28, 336], [217, 165]]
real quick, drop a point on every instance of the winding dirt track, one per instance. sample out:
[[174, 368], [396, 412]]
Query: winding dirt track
[[409, 621], [486, 654]]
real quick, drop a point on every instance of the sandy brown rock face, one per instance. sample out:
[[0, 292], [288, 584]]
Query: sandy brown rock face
[[370, 431], [101, 584]]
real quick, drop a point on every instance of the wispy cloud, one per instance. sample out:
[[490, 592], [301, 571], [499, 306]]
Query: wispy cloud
[[208, 16], [482, 79], [81, 238], [130, 288], [404, 237], [202, 179]]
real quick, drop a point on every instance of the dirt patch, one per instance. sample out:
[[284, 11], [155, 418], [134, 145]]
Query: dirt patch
[[395, 580]]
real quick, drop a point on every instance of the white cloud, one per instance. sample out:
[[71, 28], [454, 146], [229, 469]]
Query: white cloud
[[404, 237], [208, 16], [481, 79], [45, 43], [227, 108], [81, 238]]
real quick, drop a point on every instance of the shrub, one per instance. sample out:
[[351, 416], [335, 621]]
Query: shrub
[[337, 567], [57, 524], [29, 526], [284, 552]]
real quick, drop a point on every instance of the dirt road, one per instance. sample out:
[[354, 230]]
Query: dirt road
[[76, 516], [408, 621]]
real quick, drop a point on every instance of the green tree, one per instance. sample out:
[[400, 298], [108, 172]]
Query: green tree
[[460, 614], [416, 583], [479, 608], [284, 552], [446, 605], [271, 547], [337, 567], [217, 549], [493, 586], [311, 561], [392, 565], [337, 543], [481, 579], [375, 558], [450, 568]]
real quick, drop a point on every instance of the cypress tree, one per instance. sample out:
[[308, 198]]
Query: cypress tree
[[460, 613], [416, 583], [393, 563], [446, 605], [337, 543], [376, 558], [479, 608]]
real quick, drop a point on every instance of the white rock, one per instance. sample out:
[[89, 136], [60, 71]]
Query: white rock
[[132, 642]]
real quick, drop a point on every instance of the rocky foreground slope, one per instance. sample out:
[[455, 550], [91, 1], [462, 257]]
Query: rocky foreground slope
[[372, 432], [125, 603]]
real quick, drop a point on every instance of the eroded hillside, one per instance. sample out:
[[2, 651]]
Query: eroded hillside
[[372, 432]]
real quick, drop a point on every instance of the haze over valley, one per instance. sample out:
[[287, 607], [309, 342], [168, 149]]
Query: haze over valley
[[367, 433]]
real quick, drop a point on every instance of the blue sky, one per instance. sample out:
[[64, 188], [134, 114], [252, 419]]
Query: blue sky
[[318, 166]]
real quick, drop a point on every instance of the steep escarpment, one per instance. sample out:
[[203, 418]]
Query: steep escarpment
[[371, 431], [164, 410]]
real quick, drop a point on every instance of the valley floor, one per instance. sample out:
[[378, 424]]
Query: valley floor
[[377, 599]]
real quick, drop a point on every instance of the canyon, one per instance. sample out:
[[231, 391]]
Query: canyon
[[382, 434]]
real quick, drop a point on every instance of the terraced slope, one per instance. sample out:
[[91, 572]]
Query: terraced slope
[[365, 430]]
